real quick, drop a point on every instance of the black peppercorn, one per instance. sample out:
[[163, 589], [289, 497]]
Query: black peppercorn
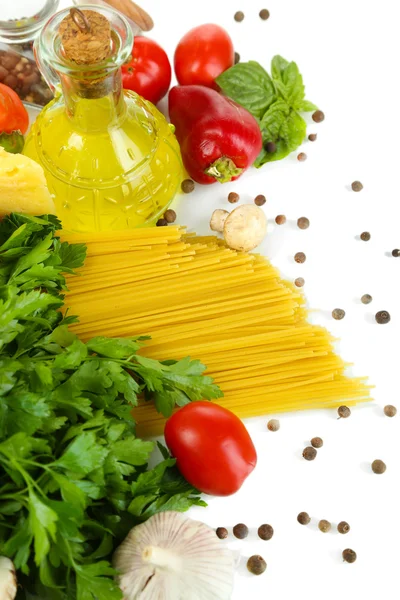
[[264, 14], [239, 16], [344, 412], [366, 299], [280, 220], [222, 533], [302, 156], [273, 425], [396, 253], [300, 257], [241, 531], [170, 216], [303, 223], [390, 410], [270, 147], [312, 137], [317, 442], [187, 186], [237, 58], [349, 556], [343, 527], [233, 197], [318, 116], [338, 314], [265, 532], [162, 223], [378, 466], [299, 282], [382, 317], [357, 186], [309, 453], [256, 565], [303, 518], [260, 200], [365, 236], [324, 526]]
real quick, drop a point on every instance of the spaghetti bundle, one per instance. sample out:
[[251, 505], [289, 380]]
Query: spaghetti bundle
[[196, 297]]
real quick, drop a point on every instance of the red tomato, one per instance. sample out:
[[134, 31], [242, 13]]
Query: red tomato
[[202, 54], [148, 72], [212, 447], [13, 114]]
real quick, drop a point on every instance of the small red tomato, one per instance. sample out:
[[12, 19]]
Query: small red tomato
[[148, 73], [212, 447], [13, 114], [202, 54]]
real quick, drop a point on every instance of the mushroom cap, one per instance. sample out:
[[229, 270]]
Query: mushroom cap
[[245, 227], [172, 557], [218, 219]]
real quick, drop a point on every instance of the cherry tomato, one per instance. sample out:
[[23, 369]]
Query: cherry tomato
[[212, 447], [13, 114], [202, 54], [148, 72]]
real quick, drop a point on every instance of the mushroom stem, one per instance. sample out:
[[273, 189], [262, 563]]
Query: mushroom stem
[[160, 557]]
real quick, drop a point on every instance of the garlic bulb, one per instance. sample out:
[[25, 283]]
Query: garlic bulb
[[172, 557], [8, 579]]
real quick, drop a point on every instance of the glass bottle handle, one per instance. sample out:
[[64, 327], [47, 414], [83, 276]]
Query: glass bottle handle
[[48, 74]]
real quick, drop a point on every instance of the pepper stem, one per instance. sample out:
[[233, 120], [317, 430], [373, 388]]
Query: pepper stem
[[223, 169]]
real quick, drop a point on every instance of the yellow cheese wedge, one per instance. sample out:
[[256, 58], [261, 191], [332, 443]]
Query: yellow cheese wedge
[[23, 186]]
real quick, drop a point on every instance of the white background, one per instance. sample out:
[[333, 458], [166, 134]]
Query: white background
[[348, 53]]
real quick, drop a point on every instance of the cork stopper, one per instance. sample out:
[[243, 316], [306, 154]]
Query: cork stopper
[[85, 37]]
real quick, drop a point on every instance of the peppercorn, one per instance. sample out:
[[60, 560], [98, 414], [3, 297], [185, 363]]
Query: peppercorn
[[299, 282], [270, 147], [241, 531], [324, 526], [170, 216], [280, 220], [273, 425], [382, 317], [318, 116], [256, 564], [343, 527], [303, 223], [309, 453], [239, 16], [237, 58], [187, 186], [264, 14], [338, 314], [260, 200], [357, 186], [390, 410], [365, 236], [317, 442], [344, 412], [378, 466], [233, 197], [303, 518], [302, 156], [300, 257], [265, 532], [312, 137], [162, 223], [222, 533], [366, 299], [396, 253], [349, 556]]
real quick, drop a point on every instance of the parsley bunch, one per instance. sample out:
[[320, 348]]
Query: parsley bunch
[[73, 476]]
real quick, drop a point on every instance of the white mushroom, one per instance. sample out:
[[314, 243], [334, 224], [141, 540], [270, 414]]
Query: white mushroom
[[172, 557], [218, 219], [245, 227], [8, 579]]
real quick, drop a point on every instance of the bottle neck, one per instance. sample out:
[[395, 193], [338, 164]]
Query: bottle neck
[[94, 105]]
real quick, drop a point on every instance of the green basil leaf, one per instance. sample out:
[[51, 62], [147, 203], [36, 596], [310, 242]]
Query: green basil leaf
[[306, 106]]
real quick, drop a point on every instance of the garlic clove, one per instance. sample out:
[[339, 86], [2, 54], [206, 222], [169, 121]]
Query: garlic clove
[[172, 557], [8, 579]]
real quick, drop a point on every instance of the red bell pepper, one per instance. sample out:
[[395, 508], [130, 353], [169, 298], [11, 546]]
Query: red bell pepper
[[219, 139]]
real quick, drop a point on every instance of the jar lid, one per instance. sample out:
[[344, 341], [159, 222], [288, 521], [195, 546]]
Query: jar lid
[[21, 20]]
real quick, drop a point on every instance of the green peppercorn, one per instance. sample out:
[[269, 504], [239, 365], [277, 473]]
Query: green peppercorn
[[260, 200], [312, 137], [222, 533], [324, 526], [338, 314], [318, 116], [239, 16], [343, 527], [233, 197], [273, 425], [378, 466], [303, 223], [170, 216], [303, 518], [317, 442], [265, 532], [365, 236], [396, 253], [390, 410], [344, 412], [349, 555], [299, 282], [300, 257], [187, 186], [264, 14], [357, 186], [237, 58], [162, 223], [256, 565], [270, 147], [241, 531], [382, 317], [302, 156], [309, 453], [280, 220], [366, 299]]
